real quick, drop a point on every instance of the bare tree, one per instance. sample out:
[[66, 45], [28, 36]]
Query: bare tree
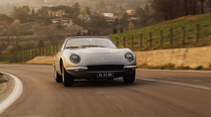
[[202, 5], [168, 9], [209, 3]]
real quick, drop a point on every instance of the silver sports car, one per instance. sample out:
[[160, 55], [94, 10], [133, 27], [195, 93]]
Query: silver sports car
[[94, 58]]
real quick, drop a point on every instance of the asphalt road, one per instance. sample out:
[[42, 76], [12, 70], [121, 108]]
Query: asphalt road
[[43, 97]]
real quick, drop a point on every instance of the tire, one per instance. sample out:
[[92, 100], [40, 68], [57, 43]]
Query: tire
[[67, 79], [129, 77], [57, 76]]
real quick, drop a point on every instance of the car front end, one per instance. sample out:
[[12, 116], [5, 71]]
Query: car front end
[[101, 65], [100, 71]]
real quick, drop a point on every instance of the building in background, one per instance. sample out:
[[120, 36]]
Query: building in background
[[56, 13], [110, 17]]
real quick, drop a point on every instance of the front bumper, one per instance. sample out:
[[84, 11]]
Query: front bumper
[[86, 73]]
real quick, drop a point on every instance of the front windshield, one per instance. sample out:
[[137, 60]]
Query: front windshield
[[89, 42]]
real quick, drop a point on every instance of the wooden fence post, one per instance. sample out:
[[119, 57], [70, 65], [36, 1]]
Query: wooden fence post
[[40, 51], [46, 51], [161, 38], [32, 52], [124, 41], [22, 56], [28, 54], [117, 42], [141, 40], [171, 36], [37, 51], [183, 36], [53, 50], [197, 32], [150, 39], [16, 57], [43, 51], [132, 41], [49, 51]]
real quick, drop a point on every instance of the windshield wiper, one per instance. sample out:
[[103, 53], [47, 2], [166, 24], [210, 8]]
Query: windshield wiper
[[86, 46], [73, 47]]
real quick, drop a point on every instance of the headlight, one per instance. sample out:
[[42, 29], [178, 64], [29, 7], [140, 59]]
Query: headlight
[[129, 56], [74, 58]]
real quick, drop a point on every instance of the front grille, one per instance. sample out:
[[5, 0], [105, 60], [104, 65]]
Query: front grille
[[105, 67]]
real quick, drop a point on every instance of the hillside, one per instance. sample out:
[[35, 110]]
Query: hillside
[[181, 38], [184, 32]]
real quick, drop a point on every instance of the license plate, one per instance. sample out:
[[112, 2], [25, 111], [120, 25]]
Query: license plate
[[105, 75]]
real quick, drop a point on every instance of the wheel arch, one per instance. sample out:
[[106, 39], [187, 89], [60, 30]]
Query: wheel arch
[[60, 65]]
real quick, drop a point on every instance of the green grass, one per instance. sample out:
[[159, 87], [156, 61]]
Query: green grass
[[189, 22]]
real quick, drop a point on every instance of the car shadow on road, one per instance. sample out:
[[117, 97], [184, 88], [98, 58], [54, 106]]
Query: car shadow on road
[[112, 83]]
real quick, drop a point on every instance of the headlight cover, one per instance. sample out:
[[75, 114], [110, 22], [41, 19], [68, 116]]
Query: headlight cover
[[129, 56], [74, 58]]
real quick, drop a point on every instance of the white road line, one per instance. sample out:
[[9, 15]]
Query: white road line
[[15, 94], [182, 71], [178, 83]]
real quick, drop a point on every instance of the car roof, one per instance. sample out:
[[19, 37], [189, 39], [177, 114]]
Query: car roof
[[87, 37]]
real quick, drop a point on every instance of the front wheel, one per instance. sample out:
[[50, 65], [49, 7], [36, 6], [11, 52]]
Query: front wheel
[[67, 79], [57, 76], [129, 77]]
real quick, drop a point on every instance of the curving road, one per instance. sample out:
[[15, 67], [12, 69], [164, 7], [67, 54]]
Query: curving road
[[43, 97]]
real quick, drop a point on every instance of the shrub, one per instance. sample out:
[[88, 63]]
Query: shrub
[[210, 66], [184, 67], [199, 67], [144, 65], [168, 66]]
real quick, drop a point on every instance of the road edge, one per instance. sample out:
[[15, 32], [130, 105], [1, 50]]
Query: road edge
[[183, 71], [179, 84], [14, 95]]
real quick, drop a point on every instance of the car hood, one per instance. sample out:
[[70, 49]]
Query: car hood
[[100, 56], [95, 50]]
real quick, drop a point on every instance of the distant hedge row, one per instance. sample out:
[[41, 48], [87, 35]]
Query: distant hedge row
[[25, 55]]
